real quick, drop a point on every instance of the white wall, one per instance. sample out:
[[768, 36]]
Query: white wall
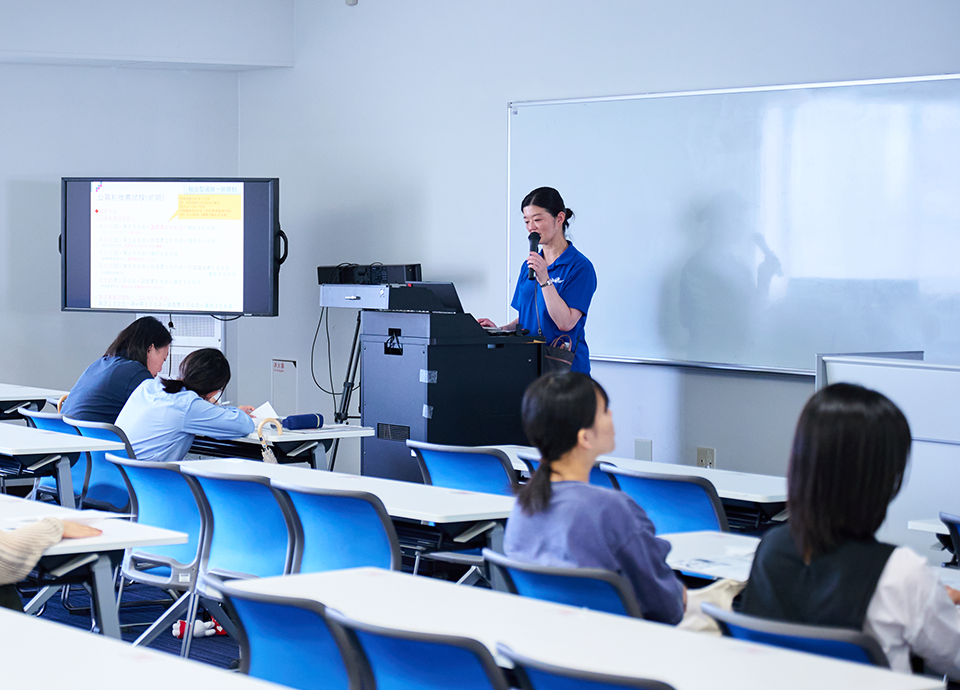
[[61, 121], [389, 136], [218, 34]]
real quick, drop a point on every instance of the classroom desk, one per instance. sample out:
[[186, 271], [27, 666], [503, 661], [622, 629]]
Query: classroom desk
[[712, 554], [934, 525], [13, 397], [34, 448], [289, 447], [750, 500], [102, 551], [41, 653], [578, 638]]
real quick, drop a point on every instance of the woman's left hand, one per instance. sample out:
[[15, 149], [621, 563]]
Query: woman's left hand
[[539, 266], [247, 408]]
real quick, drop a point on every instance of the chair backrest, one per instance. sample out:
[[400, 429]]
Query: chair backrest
[[53, 421], [597, 476], [248, 526], [539, 675], [673, 502], [162, 496], [404, 660], [592, 588], [340, 529], [291, 642], [107, 487], [953, 527], [487, 470], [839, 643]]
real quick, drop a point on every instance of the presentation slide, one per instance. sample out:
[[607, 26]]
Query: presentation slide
[[166, 245]]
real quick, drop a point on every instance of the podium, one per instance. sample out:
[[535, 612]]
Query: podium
[[438, 377]]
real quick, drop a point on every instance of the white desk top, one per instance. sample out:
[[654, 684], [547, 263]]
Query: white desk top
[[327, 431], [117, 534], [568, 636], [401, 499], [743, 486], [61, 656], [22, 440], [934, 525], [12, 393], [712, 554]]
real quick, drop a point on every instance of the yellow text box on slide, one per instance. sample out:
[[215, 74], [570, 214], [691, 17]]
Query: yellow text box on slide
[[209, 207]]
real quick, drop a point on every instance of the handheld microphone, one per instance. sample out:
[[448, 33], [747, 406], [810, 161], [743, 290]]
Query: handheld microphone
[[534, 238]]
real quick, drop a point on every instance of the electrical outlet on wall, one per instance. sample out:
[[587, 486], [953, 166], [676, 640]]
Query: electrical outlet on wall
[[707, 457], [643, 449]]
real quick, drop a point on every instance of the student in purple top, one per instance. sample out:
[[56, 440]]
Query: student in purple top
[[136, 355], [560, 519]]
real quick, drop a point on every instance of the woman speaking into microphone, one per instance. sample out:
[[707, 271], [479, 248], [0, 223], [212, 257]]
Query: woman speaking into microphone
[[557, 283]]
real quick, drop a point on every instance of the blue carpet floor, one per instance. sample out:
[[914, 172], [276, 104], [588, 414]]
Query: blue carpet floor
[[218, 650]]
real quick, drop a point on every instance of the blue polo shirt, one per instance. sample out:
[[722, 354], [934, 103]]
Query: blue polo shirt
[[576, 281]]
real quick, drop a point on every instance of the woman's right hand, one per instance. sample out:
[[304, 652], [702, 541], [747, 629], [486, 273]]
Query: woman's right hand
[[74, 530], [486, 323]]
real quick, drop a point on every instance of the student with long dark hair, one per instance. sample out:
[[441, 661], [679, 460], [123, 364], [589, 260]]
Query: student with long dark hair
[[554, 304], [826, 567], [162, 417], [136, 355], [561, 519]]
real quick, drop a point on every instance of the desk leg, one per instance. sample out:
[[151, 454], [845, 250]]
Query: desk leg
[[65, 483], [40, 598], [103, 598], [495, 543]]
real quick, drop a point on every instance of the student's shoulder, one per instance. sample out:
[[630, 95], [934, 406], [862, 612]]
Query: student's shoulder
[[599, 499]]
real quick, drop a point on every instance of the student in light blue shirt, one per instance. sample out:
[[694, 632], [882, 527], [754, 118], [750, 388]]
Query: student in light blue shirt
[[162, 417], [560, 519]]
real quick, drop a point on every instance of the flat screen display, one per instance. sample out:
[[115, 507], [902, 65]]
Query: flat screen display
[[171, 245]]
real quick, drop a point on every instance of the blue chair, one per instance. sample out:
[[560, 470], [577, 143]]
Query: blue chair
[[79, 470], [162, 496], [247, 531], [340, 529], [673, 502], [106, 488], [538, 675], [597, 476], [486, 470], [289, 641], [953, 527], [839, 643], [592, 588], [404, 660]]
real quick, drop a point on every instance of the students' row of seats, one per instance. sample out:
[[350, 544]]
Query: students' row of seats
[[674, 503], [243, 526], [295, 642]]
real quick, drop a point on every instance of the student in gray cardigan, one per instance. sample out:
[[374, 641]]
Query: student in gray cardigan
[[560, 519]]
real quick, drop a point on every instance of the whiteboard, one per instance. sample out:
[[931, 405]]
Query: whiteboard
[[754, 228]]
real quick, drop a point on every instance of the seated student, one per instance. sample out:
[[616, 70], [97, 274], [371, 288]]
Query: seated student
[[20, 549], [137, 354], [826, 568], [560, 519], [162, 417]]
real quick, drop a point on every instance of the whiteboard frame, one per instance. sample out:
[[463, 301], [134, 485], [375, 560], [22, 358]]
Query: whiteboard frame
[[512, 107]]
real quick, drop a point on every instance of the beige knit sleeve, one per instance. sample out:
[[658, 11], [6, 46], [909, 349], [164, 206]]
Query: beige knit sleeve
[[21, 548]]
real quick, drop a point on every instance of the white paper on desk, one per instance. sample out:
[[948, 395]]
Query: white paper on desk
[[265, 411], [82, 517], [731, 567]]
